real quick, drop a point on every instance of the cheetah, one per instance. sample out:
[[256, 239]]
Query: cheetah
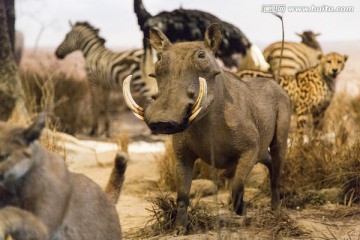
[[311, 90]]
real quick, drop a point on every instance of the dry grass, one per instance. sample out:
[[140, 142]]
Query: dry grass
[[317, 165], [328, 163], [58, 93], [163, 215], [279, 223]]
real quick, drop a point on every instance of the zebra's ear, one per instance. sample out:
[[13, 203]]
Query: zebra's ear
[[320, 56], [346, 57], [70, 23]]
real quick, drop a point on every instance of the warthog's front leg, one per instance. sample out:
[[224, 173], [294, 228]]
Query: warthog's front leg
[[21, 224], [243, 169], [185, 160]]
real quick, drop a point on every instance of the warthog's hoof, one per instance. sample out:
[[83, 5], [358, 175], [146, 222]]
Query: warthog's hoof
[[238, 202], [241, 209]]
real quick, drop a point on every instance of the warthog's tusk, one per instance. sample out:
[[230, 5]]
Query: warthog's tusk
[[200, 99], [130, 102]]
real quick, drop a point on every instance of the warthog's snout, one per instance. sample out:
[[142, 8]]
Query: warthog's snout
[[160, 121], [165, 127]]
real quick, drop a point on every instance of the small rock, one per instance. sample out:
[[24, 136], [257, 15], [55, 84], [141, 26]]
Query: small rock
[[332, 195], [202, 187]]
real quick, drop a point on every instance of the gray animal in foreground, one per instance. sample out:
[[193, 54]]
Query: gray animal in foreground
[[213, 115], [40, 199]]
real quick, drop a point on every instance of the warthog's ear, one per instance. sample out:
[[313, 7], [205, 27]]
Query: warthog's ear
[[158, 40], [33, 132], [213, 36]]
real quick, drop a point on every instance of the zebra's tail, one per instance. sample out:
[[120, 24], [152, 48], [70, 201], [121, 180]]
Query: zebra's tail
[[141, 13], [254, 60]]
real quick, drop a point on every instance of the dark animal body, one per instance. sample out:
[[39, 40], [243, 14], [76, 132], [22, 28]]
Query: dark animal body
[[104, 68], [190, 25], [40, 199], [231, 121], [311, 90]]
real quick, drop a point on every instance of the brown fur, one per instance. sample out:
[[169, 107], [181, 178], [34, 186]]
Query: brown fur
[[312, 90], [41, 199], [239, 120]]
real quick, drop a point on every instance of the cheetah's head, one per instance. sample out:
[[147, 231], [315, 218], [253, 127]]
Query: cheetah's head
[[332, 63]]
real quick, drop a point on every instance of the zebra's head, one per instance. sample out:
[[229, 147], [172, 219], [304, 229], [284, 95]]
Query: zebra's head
[[82, 36]]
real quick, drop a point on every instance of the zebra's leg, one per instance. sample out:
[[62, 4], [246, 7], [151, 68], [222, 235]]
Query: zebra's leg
[[95, 109], [107, 110]]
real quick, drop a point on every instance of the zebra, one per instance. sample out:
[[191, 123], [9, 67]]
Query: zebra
[[105, 69], [296, 56]]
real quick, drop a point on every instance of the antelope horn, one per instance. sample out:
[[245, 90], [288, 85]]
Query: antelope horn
[[130, 102], [200, 99]]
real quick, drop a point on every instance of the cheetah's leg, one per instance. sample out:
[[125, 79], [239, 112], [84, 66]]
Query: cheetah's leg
[[318, 118], [301, 119]]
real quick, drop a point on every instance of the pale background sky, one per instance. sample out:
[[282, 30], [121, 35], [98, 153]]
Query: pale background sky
[[118, 23]]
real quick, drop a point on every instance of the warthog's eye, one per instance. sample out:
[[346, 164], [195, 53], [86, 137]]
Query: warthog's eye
[[201, 54], [3, 157], [152, 75]]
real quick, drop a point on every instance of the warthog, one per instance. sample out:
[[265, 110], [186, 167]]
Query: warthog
[[231, 121], [40, 199]]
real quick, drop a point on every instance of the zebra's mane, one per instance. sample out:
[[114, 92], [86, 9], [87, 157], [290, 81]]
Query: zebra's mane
[[94, 30]]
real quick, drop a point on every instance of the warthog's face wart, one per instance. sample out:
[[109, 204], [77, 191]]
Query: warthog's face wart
[[185, 74]]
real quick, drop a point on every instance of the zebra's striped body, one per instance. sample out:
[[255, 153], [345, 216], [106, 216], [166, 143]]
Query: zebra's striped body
[[105, 69], [296, 57]]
